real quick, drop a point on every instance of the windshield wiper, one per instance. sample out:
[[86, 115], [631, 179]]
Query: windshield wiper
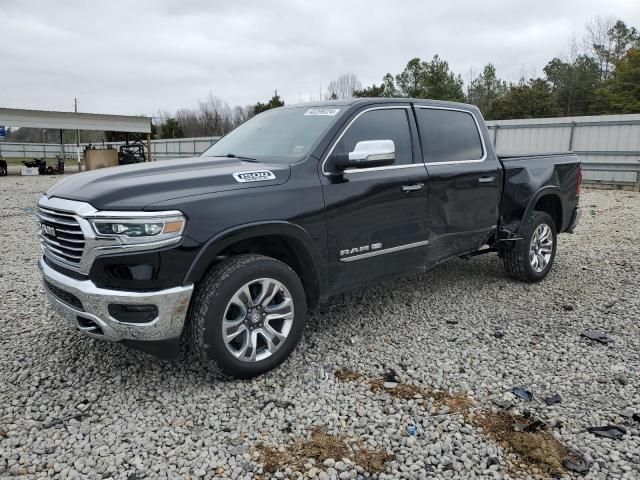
[[246, 159]]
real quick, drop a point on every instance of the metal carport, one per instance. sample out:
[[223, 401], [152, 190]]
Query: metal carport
[[16, 117]]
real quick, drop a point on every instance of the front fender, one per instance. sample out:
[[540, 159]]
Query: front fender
[[304, 243]]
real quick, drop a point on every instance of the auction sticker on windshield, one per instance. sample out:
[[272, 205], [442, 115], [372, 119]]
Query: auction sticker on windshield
[[330, 112]]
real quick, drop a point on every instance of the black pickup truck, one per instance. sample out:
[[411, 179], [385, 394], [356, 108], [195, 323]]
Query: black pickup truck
[[230, 249]]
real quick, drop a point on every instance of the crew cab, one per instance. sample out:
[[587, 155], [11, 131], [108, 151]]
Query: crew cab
[[230, 249]]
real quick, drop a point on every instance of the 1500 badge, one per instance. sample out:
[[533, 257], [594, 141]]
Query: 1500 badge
[[255, 176]]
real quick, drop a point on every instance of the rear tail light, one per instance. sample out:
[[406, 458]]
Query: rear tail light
[[579, 179]]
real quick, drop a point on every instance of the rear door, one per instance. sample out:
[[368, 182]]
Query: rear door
[[376, 217], [464, 181]]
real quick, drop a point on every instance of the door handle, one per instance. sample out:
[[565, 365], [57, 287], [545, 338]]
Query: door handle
[[486, 179], [412, 188]]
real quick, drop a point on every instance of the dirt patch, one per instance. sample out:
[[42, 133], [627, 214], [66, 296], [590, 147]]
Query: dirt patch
[[537, 449], [372, 461], [319, 447], [273, 458], [346, 375], [456, 402], [404, 391]]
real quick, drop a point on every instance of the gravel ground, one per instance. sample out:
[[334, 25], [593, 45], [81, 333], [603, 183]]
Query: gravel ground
[[71, 406]]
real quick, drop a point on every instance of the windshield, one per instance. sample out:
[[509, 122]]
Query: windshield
[[284, 135]]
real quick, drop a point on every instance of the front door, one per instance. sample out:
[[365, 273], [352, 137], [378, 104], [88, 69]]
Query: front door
[[464, 181], [376, 217]]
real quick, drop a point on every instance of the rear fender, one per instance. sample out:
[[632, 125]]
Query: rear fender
[[511, 226]]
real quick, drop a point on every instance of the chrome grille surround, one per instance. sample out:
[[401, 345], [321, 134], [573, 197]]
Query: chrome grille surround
[[78, 244]]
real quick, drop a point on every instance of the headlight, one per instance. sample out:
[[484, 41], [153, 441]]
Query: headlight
[[141, 227]]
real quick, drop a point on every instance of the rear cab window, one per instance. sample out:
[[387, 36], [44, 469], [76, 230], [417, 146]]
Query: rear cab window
[[448, 135]]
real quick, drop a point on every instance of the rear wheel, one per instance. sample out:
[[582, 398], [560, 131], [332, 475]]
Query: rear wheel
[[531, 258], [248, 315]]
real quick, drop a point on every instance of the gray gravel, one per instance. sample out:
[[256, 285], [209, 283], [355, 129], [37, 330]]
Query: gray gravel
[[75, 407]]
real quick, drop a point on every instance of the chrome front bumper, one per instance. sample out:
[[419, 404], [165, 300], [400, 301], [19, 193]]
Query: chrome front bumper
[[94, 319]]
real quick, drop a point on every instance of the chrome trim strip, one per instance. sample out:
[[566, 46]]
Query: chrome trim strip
[[454, 162], [388, 167], [136, 215], [385, 251], [397, 107], [423, 164]]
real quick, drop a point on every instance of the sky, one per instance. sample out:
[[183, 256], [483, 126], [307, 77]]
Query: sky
[[142, 57]]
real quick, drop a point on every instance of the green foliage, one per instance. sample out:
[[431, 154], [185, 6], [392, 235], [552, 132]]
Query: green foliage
[[372, 91], [621, 93], [274, 102], [574, 84], [485, 89], [525, 100], [433, 79], [170, 128], [619, 39]]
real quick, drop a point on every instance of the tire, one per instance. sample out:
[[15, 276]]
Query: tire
[[3, 169], [222, 294], [518, 261]]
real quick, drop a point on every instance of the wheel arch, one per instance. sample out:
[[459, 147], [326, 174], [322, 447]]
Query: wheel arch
[[281, 240], [547, 199]]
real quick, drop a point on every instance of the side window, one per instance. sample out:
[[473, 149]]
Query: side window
[[448, 136], [383, 124]]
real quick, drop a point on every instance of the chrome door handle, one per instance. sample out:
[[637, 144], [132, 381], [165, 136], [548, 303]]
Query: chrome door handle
[[486, 179], [412, 188]]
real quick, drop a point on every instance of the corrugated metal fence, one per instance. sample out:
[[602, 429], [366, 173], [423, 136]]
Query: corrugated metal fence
[[161, 149], [608, 145]]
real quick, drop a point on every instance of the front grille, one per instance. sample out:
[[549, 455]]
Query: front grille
[[64, 296], [60, 235]]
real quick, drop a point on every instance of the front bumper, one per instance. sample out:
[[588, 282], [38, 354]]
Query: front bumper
[[86, 307]]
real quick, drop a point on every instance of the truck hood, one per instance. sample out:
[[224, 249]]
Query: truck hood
[[134, 187]]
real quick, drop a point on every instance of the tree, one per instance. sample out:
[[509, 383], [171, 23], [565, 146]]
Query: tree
[[574, 84], [372, 91], [442, 84], [618, 40], [597, 39], [525, 100], [171, 129], [385, 89], [432, 79], [410, 81], [275, 102], [343, 87], [621, 94], [484, 89]]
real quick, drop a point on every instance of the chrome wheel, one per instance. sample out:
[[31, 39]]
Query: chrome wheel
[[257, 320], [541, 248]]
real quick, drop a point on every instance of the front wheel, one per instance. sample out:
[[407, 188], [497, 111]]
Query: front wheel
[[531, 259], [247, 315]]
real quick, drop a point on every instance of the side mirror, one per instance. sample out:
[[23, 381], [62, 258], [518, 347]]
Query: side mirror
[[368, 153]]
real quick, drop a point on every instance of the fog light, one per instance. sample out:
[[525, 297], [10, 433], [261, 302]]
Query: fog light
[[133, 313]]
